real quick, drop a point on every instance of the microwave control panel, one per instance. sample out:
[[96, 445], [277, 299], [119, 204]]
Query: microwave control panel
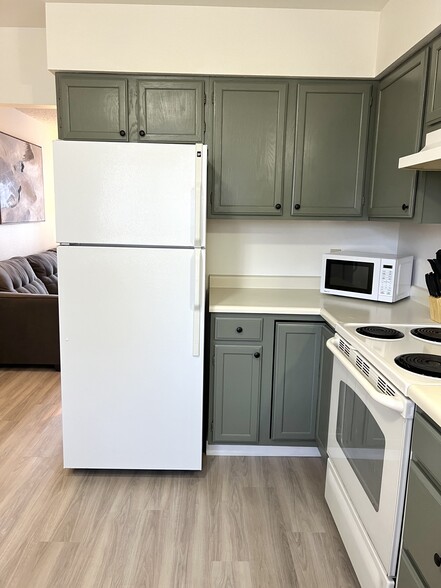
[[386, 280]]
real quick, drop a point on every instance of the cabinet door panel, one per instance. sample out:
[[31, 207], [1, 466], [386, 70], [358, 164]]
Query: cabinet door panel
[[398, 133], [330, 149], [248, 145], [170, 110], [295, 384], [92, 108], [422, 529], [237, 376], [324, 398], [433, 112]]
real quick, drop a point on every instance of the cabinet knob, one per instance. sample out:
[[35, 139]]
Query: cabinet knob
[[297, 206], [142, 133], [405, 207], [257, 355], [277, 206], [437, 559], [239, 330], [122, 133]]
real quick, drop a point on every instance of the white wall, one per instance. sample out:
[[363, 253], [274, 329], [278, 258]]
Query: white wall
[[403, 23], [289, 248], [23, 67], [211, 40], [25, 238], [423, 241]]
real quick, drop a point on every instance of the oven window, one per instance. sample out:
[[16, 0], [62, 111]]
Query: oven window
[[362, 442], [349, 276]]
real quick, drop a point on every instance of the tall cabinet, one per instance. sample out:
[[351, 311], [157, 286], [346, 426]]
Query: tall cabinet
[[398, 132], [248, 147]]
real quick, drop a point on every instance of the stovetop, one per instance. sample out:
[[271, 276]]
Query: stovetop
[[381, 353]]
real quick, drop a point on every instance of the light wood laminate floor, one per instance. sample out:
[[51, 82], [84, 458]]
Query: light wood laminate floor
[[240, 523]]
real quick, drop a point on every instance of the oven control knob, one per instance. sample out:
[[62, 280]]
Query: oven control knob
[[437, 559]]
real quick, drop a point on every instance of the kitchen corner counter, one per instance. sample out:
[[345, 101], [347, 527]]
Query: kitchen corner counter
[[301, 296], [285, 295]]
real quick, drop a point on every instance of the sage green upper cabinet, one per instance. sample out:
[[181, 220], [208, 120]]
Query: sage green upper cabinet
[[170, 110], [398, 132], [92, 107], [248, 147], [295, 383], [332, 123], [433, 107]]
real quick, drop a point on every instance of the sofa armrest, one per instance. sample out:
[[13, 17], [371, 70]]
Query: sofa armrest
[[29, 329]]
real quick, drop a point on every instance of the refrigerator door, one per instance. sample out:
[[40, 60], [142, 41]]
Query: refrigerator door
[[130, 194], [131, 364]]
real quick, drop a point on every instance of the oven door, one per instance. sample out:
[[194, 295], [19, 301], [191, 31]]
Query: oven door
[[368, 446]]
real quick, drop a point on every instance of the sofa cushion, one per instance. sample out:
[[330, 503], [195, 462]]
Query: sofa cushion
[[16, 275], [45, 267]]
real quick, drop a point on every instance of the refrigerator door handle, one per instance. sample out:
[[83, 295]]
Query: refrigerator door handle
[[197, 304], [198, 195]]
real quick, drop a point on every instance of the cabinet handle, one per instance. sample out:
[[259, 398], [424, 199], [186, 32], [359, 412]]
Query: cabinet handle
[[297, 206], [405, 207], [277, 206], [239, 330], [122, 133], [257, 355], [142, 133], [437, 559]]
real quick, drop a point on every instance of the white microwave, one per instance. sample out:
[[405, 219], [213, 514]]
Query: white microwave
[[370, 276]]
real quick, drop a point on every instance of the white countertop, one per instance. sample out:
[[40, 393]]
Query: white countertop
[[280, 295]]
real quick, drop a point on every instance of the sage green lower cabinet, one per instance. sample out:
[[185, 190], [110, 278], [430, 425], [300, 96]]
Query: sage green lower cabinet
[[324, 394], [237, 378], [420, 561], [295, 384], [398, 132], [330, 149], [264, 375]]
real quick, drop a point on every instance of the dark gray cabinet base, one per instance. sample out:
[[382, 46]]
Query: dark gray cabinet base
[[264, 377]]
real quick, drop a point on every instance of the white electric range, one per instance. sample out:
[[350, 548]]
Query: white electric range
[[370, 428], [381, 353]]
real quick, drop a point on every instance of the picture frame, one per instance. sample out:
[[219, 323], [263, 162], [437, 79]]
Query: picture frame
[[21, 181]]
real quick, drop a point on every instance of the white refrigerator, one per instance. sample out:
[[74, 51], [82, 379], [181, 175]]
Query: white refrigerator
[[130, 223]]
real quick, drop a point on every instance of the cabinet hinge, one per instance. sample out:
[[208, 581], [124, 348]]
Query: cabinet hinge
[[212, 98], [211, 426], [213, 358], [371, 101], [205, 127], [205, 98]]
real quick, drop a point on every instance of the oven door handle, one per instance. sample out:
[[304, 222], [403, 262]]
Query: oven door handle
[[395, 404]]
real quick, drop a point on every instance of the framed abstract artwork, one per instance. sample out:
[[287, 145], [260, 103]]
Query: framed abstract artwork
[[21, 181]]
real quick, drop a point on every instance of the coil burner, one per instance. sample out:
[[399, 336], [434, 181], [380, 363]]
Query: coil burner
[[378, 332], [425, 364]]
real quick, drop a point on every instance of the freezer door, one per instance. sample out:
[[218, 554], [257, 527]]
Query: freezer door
[[130, 194], [131, 363]]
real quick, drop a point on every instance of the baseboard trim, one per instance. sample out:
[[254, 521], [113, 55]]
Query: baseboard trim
[[262, 450]]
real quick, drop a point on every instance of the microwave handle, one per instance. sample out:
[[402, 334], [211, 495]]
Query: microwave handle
[[395, 404]]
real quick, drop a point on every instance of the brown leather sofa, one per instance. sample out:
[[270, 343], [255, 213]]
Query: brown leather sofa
[[29, 326]]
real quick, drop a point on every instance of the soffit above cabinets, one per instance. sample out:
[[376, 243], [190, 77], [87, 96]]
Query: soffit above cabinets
[[31, 13]]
